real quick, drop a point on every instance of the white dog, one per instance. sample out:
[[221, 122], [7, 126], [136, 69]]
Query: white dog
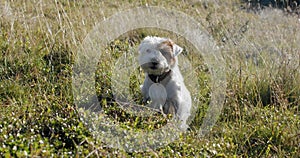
[[163, 84]]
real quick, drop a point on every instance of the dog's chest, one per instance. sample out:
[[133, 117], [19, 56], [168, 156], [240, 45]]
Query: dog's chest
[[158, 93], [169, 89]]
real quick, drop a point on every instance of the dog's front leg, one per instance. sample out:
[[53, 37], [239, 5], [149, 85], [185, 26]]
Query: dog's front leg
[[145, 91], [171, 107]]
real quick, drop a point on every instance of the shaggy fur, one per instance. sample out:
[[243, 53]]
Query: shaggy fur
[[158, 59]]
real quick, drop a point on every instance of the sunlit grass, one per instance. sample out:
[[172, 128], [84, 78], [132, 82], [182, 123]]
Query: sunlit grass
[[39, 42]]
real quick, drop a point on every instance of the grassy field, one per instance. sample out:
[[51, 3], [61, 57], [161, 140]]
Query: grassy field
[[39, 41]]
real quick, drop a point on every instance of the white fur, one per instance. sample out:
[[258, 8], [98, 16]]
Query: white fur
[[177, 93]]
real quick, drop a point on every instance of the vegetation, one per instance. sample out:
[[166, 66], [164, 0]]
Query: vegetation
[[39, 42]]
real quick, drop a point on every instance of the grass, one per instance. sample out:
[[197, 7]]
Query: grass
[[39, 42]]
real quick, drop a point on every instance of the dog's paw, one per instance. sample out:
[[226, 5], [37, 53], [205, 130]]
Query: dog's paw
[[183, 127], [146, 100]]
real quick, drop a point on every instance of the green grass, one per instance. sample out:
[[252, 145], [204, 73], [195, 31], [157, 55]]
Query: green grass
[[39, 44]]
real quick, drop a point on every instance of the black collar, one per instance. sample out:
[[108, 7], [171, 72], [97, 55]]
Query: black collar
[[159, 78]]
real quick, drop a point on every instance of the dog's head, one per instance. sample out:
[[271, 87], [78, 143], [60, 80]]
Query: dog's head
[[158, 55]]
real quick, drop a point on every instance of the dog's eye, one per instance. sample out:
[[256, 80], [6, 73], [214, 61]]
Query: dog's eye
[[166, 53], [148, 51], [163, 51]]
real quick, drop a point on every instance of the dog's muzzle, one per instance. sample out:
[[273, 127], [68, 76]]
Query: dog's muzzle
[[151, 65], [154, 65]]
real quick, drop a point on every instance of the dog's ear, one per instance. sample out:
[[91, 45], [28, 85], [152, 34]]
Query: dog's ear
[[176, 49]]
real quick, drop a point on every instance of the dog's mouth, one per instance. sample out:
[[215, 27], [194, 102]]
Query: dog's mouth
[[153, 67]]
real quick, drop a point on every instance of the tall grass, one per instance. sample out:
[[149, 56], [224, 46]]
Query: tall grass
[[39, 42]]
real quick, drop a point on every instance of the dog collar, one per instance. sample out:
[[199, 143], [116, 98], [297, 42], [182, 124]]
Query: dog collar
[[159, 78]]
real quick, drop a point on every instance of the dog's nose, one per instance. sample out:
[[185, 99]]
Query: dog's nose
[[154, 63]]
